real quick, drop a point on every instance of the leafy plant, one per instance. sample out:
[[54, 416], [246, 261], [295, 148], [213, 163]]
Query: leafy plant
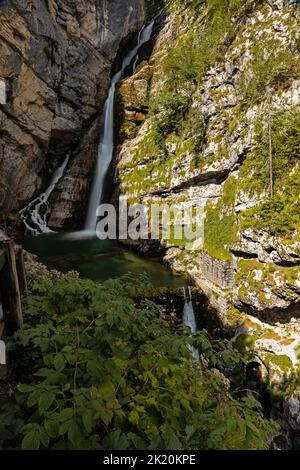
[[100, 369], [280, 213]]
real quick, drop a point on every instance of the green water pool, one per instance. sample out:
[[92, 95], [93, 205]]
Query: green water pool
[[96, 259]]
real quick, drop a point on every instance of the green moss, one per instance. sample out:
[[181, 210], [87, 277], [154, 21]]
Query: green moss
[[244, 343], [275, 72], [218, 234], [182, 242], [233, 316], [190, 54], [246, 269], [281, 361], [220, 224], [279, 214], [152, 175], [147, 149], [288, 384], [188, 59], [269, 271], [291, 275], [248, 265]]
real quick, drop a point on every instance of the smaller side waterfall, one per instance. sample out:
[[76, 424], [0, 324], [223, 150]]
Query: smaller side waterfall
[[189, 320], [34, 216], [106, 144]]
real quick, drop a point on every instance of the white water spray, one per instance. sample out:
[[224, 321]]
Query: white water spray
[[189, 320], [34, 216], [106, 144]]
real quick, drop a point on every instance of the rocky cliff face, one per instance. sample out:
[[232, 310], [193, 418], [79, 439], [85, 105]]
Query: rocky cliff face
[[212, 119], [56, 58], [215, 118]]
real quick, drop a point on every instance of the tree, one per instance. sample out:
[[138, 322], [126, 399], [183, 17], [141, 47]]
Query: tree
[[270, 143]]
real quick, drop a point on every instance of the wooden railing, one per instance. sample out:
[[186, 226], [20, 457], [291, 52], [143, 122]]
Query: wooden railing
[[12, 285]]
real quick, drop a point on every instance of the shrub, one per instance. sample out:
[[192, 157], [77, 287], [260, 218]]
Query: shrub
[[101, 370]]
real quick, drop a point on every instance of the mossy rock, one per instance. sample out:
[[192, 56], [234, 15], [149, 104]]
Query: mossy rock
[[244, 343], [283, 362]]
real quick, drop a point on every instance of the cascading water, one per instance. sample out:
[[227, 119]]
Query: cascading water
[[189, 320], [34, 216], [106, 144]]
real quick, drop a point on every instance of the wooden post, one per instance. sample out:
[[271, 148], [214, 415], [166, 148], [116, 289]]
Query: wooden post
[[2, 263], [3, 358], [21, 269], [2, 259], [10, 289], [270, 157]]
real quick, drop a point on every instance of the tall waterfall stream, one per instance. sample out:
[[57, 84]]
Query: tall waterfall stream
[[106, 144], [82, 251]]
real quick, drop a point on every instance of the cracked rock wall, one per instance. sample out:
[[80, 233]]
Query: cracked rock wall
[[56, 57], [217, 157]]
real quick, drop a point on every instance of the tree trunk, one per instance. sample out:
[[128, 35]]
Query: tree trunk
[[270, 151]]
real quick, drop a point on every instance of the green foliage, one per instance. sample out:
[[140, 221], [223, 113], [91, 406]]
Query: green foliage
[[227, 7], [153, 7], [220, 223], [218, 234], [189, 59], [171, 109], [244, 343], [282, 361], [290, 382], [101, 370], [273, 73], [281, 213]]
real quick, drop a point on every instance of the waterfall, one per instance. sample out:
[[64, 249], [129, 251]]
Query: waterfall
[[189, 319], [106, 144], [34, 216]]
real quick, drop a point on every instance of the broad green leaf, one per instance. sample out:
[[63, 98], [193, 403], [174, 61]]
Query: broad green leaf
[[59, 362], [190, 430], [107, 390], [44, 437], [133, 417], [45, 401], [66, 414], [24, 388], [34, 397], [52, 427], [105, 415], [88, 420], [31, 441], [74, 433], [64, 427], [116, 440]]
